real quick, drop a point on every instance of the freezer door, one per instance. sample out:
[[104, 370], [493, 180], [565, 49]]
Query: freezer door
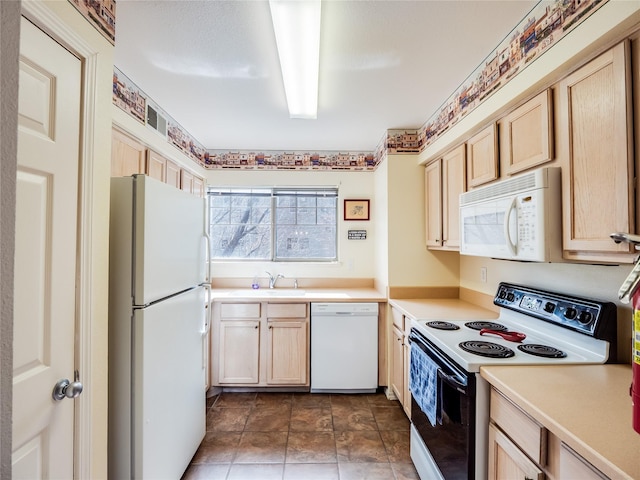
[[169, 240], [168, 394]]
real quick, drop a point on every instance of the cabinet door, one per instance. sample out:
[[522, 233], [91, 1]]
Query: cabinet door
[[526, 135], [186, 181], [406, 398], [128, 156], [597, 178], [482, 157], [287, 352], [433, 203], [397, 363], [506, 461], [198, 186], [453, 184], [172, 176], [156, 166], [239, 351]]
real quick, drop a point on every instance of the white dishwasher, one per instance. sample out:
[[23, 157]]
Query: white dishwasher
[[344, 347]]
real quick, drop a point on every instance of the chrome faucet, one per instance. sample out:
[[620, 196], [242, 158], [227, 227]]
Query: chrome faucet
[[273, 279]]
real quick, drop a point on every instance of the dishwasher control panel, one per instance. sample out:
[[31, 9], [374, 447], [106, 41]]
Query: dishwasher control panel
[[333, 308]]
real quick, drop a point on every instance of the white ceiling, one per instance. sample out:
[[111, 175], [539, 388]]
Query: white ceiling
[[213, 66]]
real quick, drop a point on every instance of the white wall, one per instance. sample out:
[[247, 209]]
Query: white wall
[[356, 258], [410, 263], [380, 209], [9, 48]]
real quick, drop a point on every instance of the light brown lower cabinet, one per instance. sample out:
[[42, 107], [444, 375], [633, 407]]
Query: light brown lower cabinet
[[288, 342], [521, 448], [507, 461], [260, 344], [400, 353]]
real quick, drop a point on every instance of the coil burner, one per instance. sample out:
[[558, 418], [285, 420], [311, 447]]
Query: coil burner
[[440, 325], [486, 349], [541, 350], [479, 325]]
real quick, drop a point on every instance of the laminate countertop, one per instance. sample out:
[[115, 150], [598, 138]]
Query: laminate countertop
[[442, 309], [298, 295], [588, 407]]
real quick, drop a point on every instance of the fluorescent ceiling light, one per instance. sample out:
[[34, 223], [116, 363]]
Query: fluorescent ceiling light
[[297, 27]]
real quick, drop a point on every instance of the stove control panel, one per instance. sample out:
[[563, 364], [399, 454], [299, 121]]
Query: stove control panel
[[578, 314]]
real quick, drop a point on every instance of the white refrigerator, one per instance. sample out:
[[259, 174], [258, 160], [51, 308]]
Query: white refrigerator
[[158, 322]]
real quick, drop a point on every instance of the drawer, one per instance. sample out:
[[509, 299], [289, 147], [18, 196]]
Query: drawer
[[573, 465], [287, 310], [239, 310], [523, 430], [398, 318]]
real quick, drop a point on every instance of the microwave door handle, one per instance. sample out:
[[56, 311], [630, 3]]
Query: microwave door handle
[[507, 235]]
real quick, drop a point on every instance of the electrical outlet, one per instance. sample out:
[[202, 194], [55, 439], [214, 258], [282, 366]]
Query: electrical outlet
[[483, 274]]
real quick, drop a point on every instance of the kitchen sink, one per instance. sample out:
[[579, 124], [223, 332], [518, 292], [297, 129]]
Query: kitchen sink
[[268, 292]]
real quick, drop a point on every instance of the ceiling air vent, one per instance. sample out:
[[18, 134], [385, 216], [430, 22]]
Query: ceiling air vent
[[156, 121]]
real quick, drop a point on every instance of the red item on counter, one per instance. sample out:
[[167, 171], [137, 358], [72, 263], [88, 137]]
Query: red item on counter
[[509, 336]]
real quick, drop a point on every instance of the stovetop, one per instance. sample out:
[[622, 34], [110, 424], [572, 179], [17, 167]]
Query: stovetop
[[575, 330]]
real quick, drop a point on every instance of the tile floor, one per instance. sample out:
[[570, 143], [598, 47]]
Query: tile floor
[[302, 436]]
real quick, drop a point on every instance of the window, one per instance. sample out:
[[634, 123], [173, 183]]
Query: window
[[274, 224]]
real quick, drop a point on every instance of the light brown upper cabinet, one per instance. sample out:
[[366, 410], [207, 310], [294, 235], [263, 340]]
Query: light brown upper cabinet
[[444, 182], [433, 203], [482, 157], [173, 174], [156, 166], [594, 146], [526, 135], [198, 186], [128, 156], [186, 180]]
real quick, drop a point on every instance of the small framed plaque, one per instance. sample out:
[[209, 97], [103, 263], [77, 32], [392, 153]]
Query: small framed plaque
[[356, 210], [357, 234]]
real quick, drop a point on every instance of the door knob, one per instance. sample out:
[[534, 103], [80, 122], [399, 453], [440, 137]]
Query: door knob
[[66, 389]]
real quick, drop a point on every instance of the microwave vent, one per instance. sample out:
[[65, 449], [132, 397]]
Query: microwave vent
[[527, 181], [156, 121]]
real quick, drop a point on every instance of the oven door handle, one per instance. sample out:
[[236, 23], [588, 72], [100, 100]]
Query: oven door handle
[[453, 382]]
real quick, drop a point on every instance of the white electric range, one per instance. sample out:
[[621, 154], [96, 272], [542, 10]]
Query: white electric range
[[450, 401]]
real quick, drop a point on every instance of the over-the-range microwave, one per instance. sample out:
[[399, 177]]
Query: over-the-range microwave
[[519, 218]]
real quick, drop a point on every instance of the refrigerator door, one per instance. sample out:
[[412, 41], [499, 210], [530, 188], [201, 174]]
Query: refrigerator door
[[169, 252], [168, 397]]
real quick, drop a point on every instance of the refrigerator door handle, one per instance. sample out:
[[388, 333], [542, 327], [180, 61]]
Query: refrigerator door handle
[[207, 240], [208, 312], [207, 326]]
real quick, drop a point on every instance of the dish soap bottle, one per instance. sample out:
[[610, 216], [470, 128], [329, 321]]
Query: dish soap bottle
[[255, 285]]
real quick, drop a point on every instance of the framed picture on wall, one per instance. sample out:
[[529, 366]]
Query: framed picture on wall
[[356, 209]]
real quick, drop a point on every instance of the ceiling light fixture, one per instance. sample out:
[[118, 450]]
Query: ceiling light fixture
[[296, 24]]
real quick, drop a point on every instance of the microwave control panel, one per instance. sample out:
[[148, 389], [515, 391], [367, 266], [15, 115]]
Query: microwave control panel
[[527, 208]]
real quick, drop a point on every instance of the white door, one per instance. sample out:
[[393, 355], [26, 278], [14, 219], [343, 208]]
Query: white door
[[45, 263]]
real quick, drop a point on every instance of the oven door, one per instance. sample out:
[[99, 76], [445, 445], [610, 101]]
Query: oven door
[[451, 441]]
